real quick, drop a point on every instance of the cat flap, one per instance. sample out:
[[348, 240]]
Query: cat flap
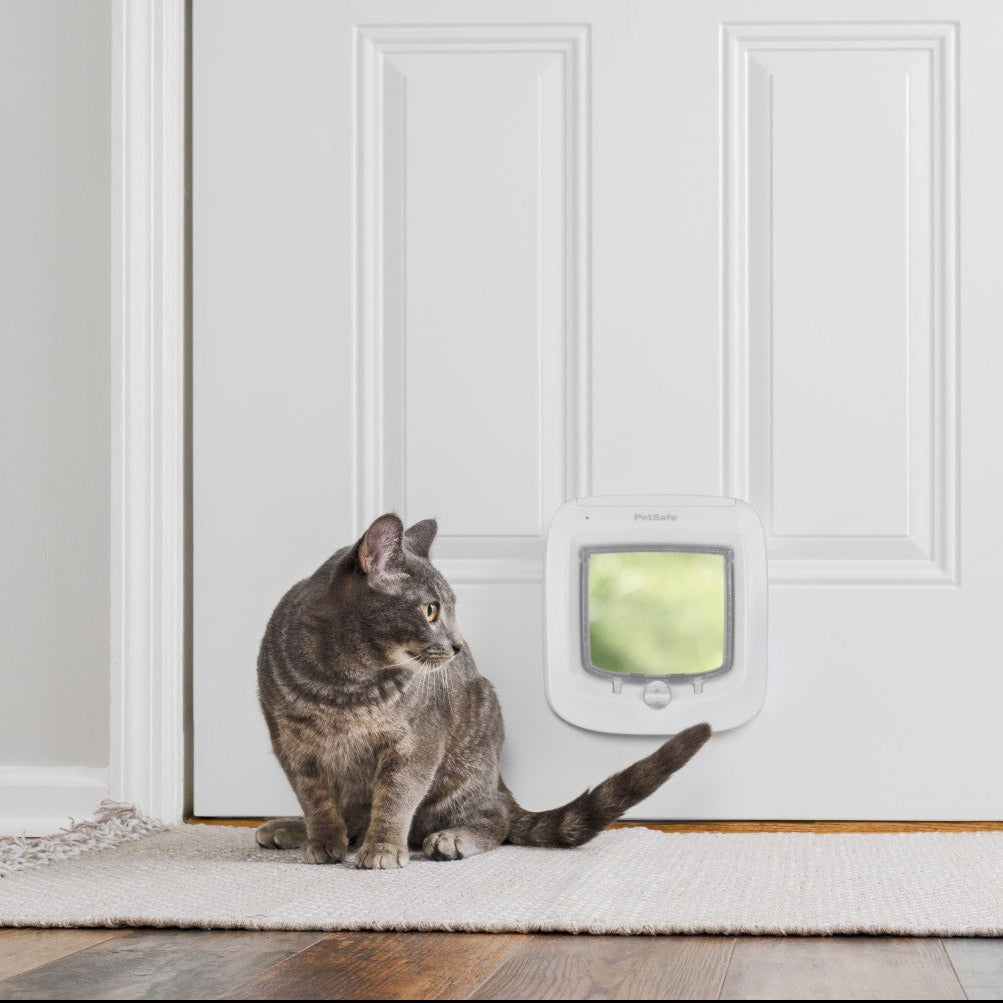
[[655, 613]]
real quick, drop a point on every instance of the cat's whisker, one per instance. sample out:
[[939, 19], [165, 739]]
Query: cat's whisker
[[435, 685], [446, 687], [401, 665], [449, 692]]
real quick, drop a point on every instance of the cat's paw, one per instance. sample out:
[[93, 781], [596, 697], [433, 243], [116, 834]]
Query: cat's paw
[[381, 856], [281, 834], [445, 845], [324, 851]]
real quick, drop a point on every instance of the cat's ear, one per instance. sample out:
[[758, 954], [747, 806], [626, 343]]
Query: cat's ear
[[419, 537], [380, 549]]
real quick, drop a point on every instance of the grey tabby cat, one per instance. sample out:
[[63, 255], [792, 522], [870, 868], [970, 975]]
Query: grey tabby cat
[[387, 731]]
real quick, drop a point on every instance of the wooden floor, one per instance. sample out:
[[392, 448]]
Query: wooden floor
[[194, 964], [184, 964]]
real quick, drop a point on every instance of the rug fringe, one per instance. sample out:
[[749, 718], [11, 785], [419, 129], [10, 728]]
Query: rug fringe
[[113, 823]]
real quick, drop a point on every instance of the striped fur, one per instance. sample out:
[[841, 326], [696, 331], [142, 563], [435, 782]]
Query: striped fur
[[578, 821], [388, 734]]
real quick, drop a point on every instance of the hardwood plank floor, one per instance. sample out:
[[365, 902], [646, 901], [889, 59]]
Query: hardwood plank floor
[[180, 964], [557, 966], [841, 968], [978, 962], [159, 964], [388, 966], [23, 950]]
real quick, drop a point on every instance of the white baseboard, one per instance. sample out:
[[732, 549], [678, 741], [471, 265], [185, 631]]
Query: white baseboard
[[41, 800]]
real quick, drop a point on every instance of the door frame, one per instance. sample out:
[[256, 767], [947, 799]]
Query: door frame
[[148, 407]]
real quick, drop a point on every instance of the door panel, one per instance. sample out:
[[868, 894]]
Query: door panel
[[473, 260], [840, 159], [472, 222]]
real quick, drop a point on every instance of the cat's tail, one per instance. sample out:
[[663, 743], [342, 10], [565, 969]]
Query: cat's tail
[[579, 820]]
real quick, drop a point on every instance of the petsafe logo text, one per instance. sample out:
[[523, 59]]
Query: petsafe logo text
[[656, 516]]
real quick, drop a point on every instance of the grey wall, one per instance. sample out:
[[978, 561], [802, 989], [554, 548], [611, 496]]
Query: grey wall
[[55, 79]]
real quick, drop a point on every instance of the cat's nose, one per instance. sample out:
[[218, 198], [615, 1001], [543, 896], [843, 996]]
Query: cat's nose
[[457, 648]]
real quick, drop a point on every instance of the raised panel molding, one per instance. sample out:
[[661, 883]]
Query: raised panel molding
[[919, 545], [553, 461]]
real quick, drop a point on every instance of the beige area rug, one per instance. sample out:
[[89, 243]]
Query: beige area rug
[[124, 870]]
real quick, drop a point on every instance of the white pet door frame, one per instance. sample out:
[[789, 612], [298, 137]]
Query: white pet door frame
[[648, 700]]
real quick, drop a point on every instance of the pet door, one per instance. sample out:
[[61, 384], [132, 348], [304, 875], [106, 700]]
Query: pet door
[[656, 613]]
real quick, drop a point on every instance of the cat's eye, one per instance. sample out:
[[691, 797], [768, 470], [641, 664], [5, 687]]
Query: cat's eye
[[431, 611]]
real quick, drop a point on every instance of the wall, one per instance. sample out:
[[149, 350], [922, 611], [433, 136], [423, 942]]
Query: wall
[[55, 78]]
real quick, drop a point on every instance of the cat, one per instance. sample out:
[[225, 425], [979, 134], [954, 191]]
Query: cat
[[386, 730]]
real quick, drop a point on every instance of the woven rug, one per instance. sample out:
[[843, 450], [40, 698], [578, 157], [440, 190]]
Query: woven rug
[[125, 870]]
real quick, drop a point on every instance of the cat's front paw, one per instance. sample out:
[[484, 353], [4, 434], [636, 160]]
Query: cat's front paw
[[324, 851], [443, 845], [381, 856], [281, 834]]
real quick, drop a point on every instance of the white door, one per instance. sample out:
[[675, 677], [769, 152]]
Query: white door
[[471, 260]]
